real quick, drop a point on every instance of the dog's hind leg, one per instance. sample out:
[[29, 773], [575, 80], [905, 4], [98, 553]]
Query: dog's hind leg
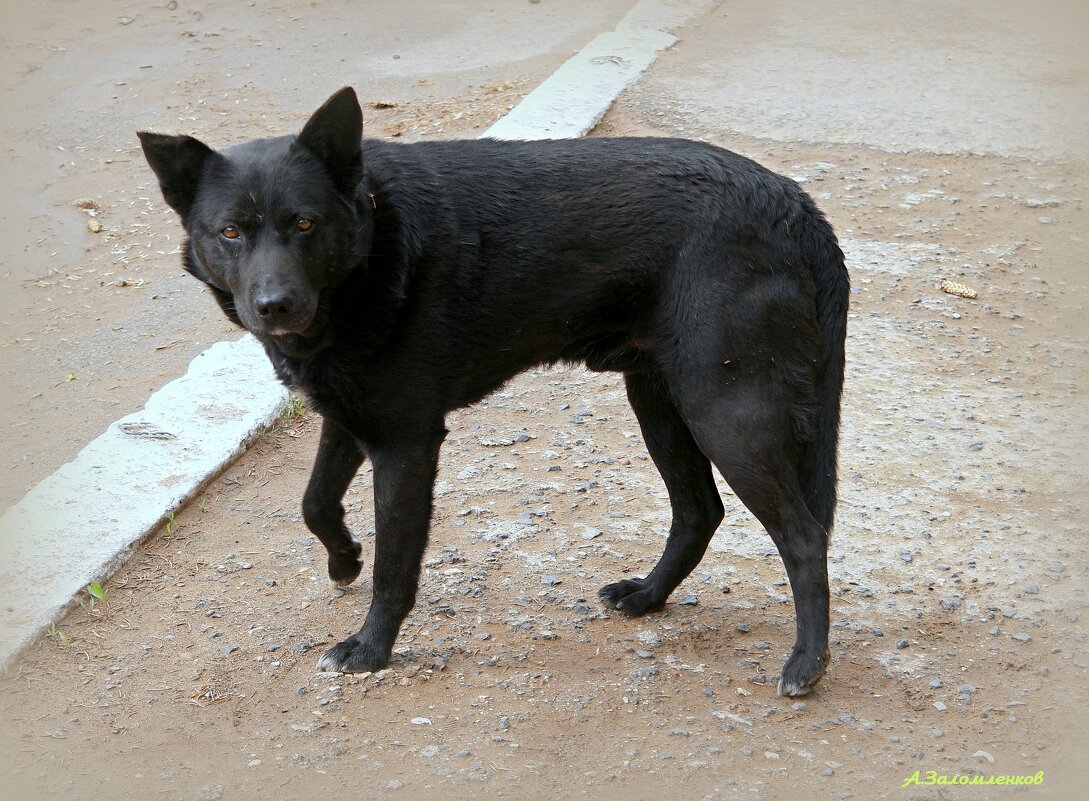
[[744, 425], [339, 458], [697, 508], [404, 477]]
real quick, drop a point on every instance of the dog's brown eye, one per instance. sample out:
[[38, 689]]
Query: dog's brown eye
[[230, 232], [304, 224]]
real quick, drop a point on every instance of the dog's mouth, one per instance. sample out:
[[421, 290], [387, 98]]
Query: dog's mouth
[[280, 333], [286, 334], [312, 339]]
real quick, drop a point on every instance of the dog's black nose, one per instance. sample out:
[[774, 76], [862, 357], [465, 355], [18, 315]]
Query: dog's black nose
[[275, 310]]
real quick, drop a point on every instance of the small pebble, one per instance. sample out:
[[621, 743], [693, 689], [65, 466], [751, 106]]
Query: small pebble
[[648, 637]]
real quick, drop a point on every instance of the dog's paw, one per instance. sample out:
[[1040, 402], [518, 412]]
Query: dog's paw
[[802, 672], [345, 566], [353, 656], [634, 596]]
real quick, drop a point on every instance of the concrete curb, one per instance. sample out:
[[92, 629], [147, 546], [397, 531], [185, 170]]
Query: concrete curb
[[575, 97], [571, 101], [80, 524]]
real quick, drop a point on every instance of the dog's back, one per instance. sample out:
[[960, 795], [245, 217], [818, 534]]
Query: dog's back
[[620, 232]]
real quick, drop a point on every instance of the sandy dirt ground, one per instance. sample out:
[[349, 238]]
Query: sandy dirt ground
[[958, 564]]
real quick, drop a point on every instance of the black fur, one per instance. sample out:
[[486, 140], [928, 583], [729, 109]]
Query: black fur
[[396, 282]]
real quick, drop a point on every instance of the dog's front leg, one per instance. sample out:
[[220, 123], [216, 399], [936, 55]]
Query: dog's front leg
[[404, 475], [338, 460]]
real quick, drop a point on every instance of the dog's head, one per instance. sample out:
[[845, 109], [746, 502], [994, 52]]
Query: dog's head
[[275, 224]]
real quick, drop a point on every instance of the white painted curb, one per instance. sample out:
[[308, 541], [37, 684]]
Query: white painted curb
[[79, 525], [575, 97]]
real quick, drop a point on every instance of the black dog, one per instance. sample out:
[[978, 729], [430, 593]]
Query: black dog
[[393, 283]]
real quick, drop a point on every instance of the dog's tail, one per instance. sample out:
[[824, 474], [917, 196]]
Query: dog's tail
[[818, 467]]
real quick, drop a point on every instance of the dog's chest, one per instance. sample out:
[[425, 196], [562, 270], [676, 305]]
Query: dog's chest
[[342, 391], [324, 381]]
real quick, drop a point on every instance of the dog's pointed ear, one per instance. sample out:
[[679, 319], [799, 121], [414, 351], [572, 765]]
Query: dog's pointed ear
[[334, 134], [178, 162]]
